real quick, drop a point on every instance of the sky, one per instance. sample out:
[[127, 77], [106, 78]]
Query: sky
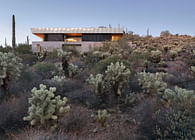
[[177, 16]]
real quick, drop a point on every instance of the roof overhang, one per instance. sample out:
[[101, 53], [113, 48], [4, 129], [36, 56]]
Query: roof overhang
[[77, 30]]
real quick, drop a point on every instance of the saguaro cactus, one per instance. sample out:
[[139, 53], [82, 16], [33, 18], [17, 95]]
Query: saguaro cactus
[[13, 33]]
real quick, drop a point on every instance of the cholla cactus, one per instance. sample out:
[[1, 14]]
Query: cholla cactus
[[45, 106], [152, 83], [60, 80], [10, 68], [102, 116], [65, 56], [193, 69], [117, 76], [130, 99], [179, 95], [156, 56], [173, 54], [98, 83], [73, 70]]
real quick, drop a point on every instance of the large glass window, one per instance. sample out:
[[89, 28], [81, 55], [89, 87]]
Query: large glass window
[[96, 37], [53, 37]]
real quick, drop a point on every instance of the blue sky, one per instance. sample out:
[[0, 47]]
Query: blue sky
[[177, 16]]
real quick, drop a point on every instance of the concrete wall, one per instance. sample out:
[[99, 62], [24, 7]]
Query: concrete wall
[[52, 45]]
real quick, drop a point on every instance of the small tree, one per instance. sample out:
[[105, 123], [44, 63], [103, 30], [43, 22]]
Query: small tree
[[10, 68], [46, 108], [117, 76]]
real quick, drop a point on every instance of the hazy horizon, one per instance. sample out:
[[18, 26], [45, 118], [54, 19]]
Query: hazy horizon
[[177, 16]]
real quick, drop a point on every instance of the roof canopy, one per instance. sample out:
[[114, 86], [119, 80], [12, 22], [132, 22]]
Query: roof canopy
[[77, 30]]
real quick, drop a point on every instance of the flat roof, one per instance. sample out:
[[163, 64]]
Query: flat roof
[[77, 30]]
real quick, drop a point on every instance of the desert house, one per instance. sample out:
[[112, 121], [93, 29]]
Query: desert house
[[82, 38]]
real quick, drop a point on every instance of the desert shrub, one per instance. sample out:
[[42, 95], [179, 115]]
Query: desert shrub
[[65, 57], [173, 54], [75, 120], [174, 124], [98, 83], [156, 56], [37, 134], [117, 76], [60, 80], [10, 68], [102, 116], [6, 49], [28, 59], [91, 58], [46, 108], [12, 112], [46, 70], [23, 49], [165, 33], [52, 55], [101, 66], [73, 70], [152, 83], [24, 83], [72, 49]]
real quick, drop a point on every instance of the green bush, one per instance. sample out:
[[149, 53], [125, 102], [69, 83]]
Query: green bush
[[28, 59], [10, 68], [23, 49], [52, 55], [46, 70], [117, 77], [72, 49], [5, 49], [101, 66], [46, 108]]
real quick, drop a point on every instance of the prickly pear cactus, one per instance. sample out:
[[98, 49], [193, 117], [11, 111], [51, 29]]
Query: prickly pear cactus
[[102, 116], [10, 68], [98, 83], [45, 108], [152, 83], [117, 76]]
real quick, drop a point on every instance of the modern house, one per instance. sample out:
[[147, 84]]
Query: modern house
[[55, 38]]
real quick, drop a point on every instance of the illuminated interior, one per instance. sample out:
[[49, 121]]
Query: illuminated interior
[[116, 37], [71, 39]]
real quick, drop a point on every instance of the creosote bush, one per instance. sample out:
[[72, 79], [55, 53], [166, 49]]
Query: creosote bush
[[46, 108], [152, 83], [98, 83], [10, 68], [117, 76], [102, 116]]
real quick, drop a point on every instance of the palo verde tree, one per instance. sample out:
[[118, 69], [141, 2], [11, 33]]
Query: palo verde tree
[[10, 68]]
